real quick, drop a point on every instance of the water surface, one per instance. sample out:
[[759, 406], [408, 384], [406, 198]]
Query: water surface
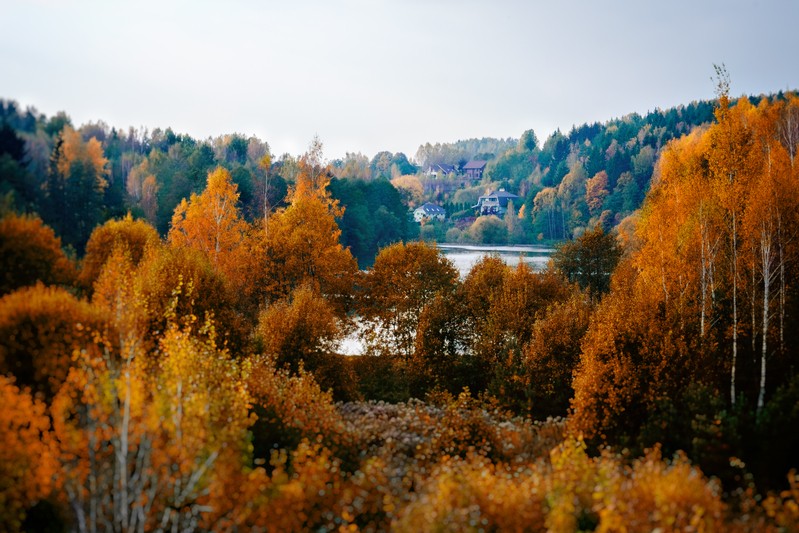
[[465, 256]]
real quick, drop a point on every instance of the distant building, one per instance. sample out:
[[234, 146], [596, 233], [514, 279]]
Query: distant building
[[495, 203], [474, 169], [442, 169], [429, 211]]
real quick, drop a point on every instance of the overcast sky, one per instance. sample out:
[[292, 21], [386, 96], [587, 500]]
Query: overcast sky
[[371, 75]]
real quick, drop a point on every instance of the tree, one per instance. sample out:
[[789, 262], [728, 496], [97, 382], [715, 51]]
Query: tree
[[528, 141], [134, 236], [404, 279], [410, 188], [177, 284], [141, 451], [440, 360], [303, 245], [551, 356], [40, 328], [589, 260], [77, 178], [30, 253], [211, 223], [489, 230], [27, 459], [304, 331], [596, 190]]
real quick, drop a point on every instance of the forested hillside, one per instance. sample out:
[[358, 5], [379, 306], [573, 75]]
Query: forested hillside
[[181, 370], [594, 174], [50, 166]]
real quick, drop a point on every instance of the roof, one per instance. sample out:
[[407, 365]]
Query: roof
[[431, 209], [502, 193], [476, 164], [443, 168]]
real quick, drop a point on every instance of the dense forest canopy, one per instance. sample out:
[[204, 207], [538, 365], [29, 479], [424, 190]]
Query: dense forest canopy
[[171, 312]]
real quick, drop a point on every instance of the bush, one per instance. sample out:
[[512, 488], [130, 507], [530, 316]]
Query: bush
[[30, 253]]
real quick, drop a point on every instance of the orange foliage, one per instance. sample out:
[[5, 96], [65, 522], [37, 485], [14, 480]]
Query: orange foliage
[[302, 246], [134, 236], [289, 407], [40, 328], [178, 283], [139, 450], [405, 278], [30, 252], [211, 223], [304, 328], [27, 465], [74, 149], [596, 189]]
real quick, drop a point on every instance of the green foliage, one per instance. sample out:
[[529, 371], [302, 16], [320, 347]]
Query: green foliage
[[374, 216], [589, 260], [488, 230]]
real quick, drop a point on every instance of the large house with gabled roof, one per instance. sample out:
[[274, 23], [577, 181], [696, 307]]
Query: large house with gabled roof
[[429, 211], [495, 203], [474, 169]]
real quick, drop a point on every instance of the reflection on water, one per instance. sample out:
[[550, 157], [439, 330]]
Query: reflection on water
[[464, 256]]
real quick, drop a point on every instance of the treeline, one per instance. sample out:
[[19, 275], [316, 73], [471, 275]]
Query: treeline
[[461, 152], [77, 178]]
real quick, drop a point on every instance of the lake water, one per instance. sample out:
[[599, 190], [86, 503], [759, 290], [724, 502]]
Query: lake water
[[464, 256]]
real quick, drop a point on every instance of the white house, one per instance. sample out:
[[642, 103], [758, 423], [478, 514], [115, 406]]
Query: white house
[[429, 211]]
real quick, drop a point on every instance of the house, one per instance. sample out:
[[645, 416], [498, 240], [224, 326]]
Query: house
[[442, 170], [474, 169], [429, 211], [495, 203]]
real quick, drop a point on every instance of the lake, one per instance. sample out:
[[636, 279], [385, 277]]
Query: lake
[[465, 256]]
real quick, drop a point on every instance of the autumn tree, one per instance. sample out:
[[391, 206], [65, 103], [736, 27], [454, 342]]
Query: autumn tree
[[441, 360], [502, 333], [30, 253], [596, 190], [302, 246], [633, 356], [141, 451], [304, 331], [706, 277], [179, 283], [410, 189], [551, 356], [40, 328], [134, 236], [75, 187], [405, 278], [488, 230], [27, 459], [211, 223], [730, 167]]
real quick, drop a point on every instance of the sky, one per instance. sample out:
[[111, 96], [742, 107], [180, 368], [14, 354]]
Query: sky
[[372, 75]]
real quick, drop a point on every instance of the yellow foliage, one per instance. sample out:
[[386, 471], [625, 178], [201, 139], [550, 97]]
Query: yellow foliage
[[410, 188]]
